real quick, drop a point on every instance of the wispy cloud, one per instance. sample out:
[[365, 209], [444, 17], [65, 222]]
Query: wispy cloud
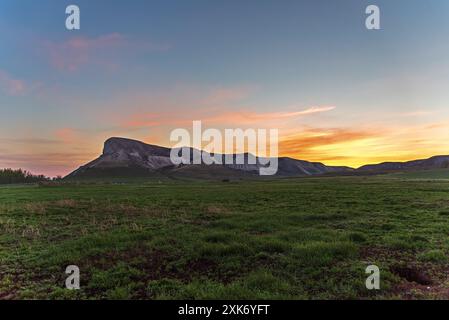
[[71, 54], [10, 85], [66, 135], [252, 117], [311, 110], [222, 96], [29, 141], [417, 113], [235, 118]]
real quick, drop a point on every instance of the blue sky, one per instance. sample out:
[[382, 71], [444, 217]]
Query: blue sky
[[170, 62]]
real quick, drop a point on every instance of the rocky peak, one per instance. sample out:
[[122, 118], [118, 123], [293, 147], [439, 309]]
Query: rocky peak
[[128, 146]]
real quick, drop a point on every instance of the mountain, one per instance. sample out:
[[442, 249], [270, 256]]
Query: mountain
[[436, 162], [123, 157]]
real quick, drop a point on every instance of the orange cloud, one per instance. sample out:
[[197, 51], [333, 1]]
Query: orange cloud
[[304, 144], [62, 151], [51, 164], [361, 145]]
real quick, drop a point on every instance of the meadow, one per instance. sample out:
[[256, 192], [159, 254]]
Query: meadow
[[305, 238]]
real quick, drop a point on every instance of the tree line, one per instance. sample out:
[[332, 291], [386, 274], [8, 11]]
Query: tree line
[[10, 176]]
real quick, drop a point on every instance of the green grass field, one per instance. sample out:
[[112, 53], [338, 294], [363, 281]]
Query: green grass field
[[436, 174], [286, 239]]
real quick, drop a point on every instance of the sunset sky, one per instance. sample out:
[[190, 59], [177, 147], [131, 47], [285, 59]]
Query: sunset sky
[[337, 92]]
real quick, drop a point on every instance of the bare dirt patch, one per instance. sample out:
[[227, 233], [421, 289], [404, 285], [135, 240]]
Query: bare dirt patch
[[35, 207], [153, 264], [213, 209], [416, 280], [412, 274]]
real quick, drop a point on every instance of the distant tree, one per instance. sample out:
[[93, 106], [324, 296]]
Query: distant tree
[[10, 176]]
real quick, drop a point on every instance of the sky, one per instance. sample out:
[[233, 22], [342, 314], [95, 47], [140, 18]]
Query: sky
[[337, 92]]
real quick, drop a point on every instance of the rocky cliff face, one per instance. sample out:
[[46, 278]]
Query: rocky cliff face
[[121, 153], [133, 147]]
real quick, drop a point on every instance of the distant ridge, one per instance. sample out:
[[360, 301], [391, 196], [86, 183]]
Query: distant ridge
[[124, 157], [436, 162]]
